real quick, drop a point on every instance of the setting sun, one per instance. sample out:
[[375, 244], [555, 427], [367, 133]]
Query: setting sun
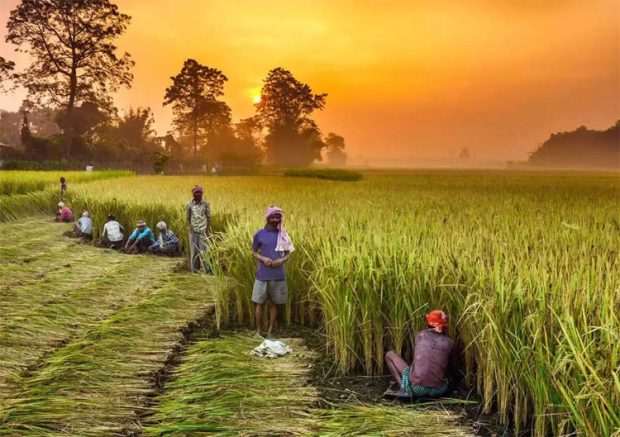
[[256, 99]]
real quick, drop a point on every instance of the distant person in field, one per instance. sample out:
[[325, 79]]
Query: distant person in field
[[272, 247], [167, 242], [84, 227], [63, 187], [112, 234], [64, 213], [433, 353], [140, 239], [199, 222]]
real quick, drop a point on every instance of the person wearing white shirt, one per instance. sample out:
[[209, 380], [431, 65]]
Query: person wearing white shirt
[[112, 235]]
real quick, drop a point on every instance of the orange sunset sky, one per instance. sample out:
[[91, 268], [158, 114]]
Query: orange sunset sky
[[408, 82]]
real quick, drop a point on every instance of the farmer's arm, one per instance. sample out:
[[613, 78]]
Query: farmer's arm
[[133, 239], [256, 252], [189, 214], [280, 261], [260, 257]]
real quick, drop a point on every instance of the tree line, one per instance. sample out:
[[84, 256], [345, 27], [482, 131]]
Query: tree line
[[580, 148], [69, 113]]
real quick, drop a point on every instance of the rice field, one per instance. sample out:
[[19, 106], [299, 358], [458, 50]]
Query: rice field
[[526, 264], [95, 343], [21, 182], [84, 333]]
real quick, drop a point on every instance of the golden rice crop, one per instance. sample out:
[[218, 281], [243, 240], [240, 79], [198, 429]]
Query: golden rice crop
[[526, 265], [21, 181]]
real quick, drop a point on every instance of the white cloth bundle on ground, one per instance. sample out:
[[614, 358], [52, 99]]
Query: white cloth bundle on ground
[[271, 349]]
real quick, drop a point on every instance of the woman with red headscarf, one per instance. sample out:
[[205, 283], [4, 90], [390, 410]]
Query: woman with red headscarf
[[426, 377]]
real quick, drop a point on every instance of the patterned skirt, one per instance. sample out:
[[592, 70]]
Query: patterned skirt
[[420, 391]]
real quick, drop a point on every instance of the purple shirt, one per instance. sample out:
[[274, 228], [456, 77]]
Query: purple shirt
[[265, 242], [431, 357]]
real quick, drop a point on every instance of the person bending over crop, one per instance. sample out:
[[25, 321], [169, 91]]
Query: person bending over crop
[[64, 213], [140, 239], [272, 247], [199, 222], [167, 243], [426, 377], [112, 235]]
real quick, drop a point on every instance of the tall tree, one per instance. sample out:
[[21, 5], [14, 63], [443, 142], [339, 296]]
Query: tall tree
[[173, 147], [284, 109], [194, 98], [41, 124], [136, 128], [239, 148], [335, 149], [71, 44], [5, 70], [130, 138]]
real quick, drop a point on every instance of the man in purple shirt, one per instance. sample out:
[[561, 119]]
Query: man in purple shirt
[[272, 248], [426, 377]]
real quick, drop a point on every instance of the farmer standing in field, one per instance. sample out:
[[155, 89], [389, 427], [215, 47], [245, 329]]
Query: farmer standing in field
[[199, 222], [272, 247], [426, 377], [63, 187]]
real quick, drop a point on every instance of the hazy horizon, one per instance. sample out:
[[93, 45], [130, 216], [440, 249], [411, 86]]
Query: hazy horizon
[[410, 84]]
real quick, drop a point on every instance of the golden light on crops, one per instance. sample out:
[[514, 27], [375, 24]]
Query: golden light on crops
[[478, 245]]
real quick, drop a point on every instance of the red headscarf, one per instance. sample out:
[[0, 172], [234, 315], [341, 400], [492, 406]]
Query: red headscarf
[[437, 319]]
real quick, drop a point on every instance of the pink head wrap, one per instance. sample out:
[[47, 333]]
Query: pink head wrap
[[284, 243]]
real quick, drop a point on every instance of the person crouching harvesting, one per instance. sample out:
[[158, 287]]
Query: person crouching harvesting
[[140, 239], [426, 377], [272, 247]]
